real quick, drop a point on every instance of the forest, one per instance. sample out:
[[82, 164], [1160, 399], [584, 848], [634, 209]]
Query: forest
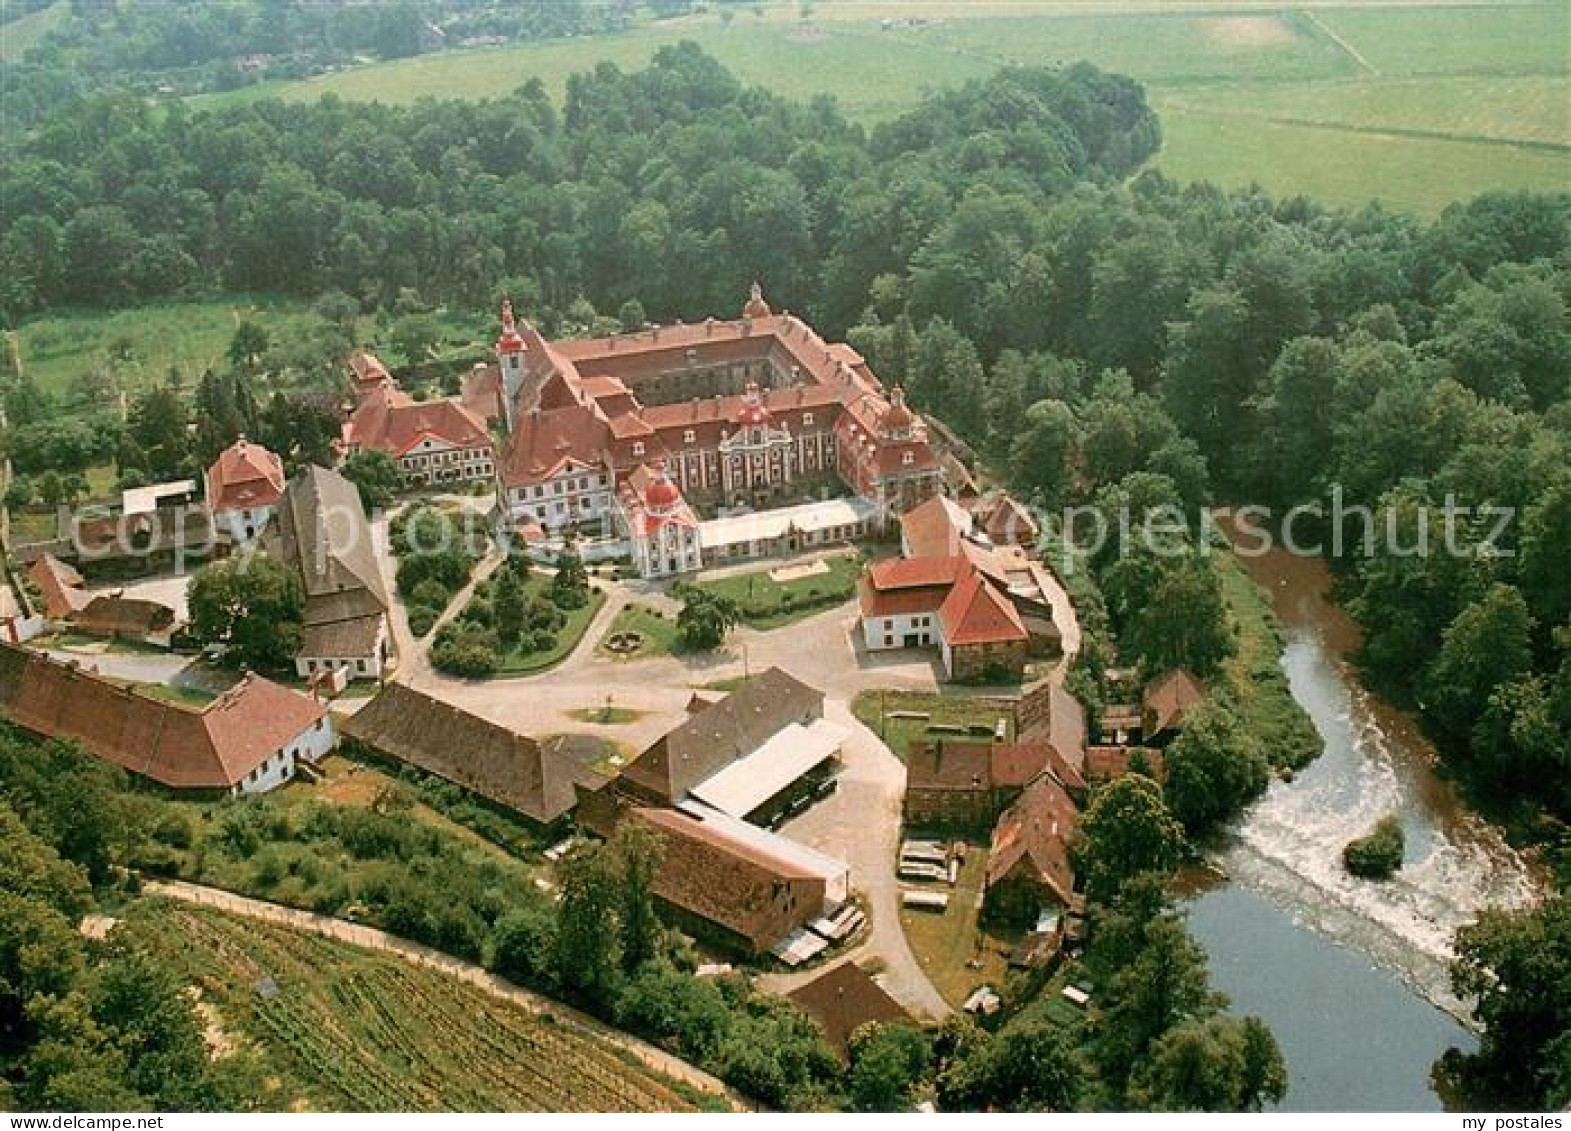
[[1094, 331]]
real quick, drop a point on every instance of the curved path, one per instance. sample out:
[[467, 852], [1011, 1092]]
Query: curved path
[[414, 953]]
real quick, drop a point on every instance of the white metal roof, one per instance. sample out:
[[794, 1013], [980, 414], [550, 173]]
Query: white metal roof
[[789, 753], [145, 500], [835, 873], [757, 526]]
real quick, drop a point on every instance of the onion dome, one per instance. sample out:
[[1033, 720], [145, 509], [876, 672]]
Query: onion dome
[[756, 306], [663, 496]]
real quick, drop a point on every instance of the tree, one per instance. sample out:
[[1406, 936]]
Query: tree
[[1516, 967], [251, 608], [1043, 451], [586, 934], [249, 343], [570, 583], [375, 476], [1127, 830], [1223, 1064], [1213, 768], [1488, 644], [636, 851], [1164, 987], [706, 618], [523, 946], [416, 336], [887, 1062], [1031, 1065], [508, 606]]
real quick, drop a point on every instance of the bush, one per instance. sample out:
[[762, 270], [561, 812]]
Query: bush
[[1378, 855], [421, 619], [431, 593]]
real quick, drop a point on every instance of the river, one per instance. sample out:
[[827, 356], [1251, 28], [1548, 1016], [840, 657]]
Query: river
[[1350, 975]]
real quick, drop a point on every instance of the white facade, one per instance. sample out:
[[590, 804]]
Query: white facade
[[575, 495], [433, 461], [279, 767], [243, 526], [359, 667], [673, 548], [905, 630]]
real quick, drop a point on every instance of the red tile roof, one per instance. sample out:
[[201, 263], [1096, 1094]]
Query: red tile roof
[[737, 885], [60, 585], [914, 573], [215, 747], [935, 529], [976, 613], [388, 420], [546, 440], [1032, 839], [245, 475]]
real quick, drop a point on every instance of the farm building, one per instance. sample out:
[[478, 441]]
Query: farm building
[[1028, 866], [250, 739], [1166, 701], [491, 760], [322, 534], [965, 785], [844, 998], [737, 885], [60, 585], [243, 488], [755, 754]]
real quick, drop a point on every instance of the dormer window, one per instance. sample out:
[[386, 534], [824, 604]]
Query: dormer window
[[638, 447], [807, 419], [689, 437], [908, 458]]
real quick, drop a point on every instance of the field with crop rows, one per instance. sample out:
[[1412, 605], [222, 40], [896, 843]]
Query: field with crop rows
[[357, 1031]]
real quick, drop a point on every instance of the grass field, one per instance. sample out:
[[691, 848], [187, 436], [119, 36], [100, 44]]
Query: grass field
[[896, 717], [141, 343], [350, 1030], [515, 662], [1416, 105], [767, 603], [659, 633]]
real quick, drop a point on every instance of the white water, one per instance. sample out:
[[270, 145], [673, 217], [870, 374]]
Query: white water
[[1288, 848]]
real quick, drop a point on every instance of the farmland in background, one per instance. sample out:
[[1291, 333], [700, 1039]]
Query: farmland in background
[[1415, 105]]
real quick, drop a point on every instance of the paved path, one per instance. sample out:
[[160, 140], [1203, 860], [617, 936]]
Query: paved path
[[417, 955]]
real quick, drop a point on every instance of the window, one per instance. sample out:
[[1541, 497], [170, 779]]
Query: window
[[689, 437], [908, 458], [807, 418], [638, 447]]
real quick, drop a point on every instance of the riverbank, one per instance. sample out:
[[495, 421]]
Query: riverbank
[[1333, 963]]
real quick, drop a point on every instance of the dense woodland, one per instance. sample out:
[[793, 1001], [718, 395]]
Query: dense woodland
[[1097, 333]]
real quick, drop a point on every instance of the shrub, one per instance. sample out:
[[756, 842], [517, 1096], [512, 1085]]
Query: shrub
[[431, 593], [421, 619], [1377, 855]]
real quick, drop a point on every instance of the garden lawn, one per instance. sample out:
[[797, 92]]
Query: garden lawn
[[876, 708], [516, 662], [141, 343], [660, 637], [767, 603]]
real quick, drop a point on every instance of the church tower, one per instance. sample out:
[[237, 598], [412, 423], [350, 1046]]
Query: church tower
[[510, 351]]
